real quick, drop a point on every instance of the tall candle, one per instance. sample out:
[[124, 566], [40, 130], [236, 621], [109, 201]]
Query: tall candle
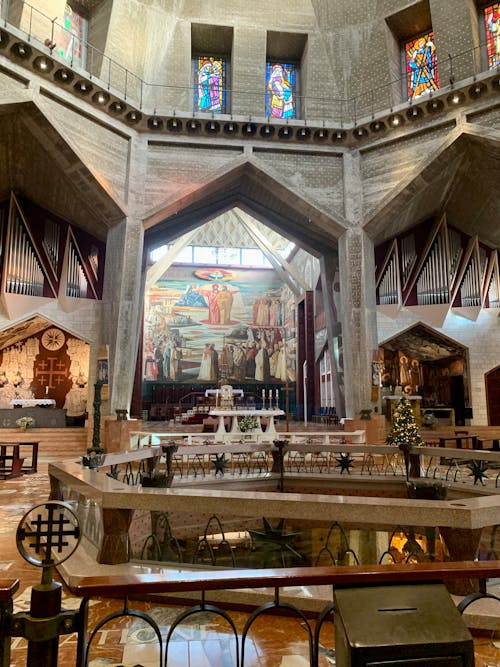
[[263, 394], [270, 394], [277, 394]]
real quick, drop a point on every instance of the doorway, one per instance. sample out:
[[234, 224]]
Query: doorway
[[492, 380]]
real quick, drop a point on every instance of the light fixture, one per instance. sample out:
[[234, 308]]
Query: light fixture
[[155, 123], [434, 106], [212, 127], [338, 135], [117, 107], [477, 90], [455, 98], [174, 124], [43, 64], [360, 132], [133, 117], [414, 113], [395, 120], [267, 131], [377, 126], [303, 133], [83, 87], [231, 127], [64, 75], [21, 50], [321, 134], [249, 129], [101, 98], [193, 125], [285, 132]]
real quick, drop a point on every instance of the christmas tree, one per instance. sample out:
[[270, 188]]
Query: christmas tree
[[404, 430]]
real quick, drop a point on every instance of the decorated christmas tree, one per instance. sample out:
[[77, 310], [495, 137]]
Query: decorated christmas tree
[[404, 432]]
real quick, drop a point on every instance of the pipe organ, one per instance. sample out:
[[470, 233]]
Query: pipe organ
[[24, 273], [470, 289], [388, 288], [43, 257], [434, 264], [433, 281], [76, 285]]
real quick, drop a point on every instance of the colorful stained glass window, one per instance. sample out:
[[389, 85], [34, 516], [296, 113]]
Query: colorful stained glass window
[[281, 90], [72, 37], [210, 84], [491, 15], [421, 68]]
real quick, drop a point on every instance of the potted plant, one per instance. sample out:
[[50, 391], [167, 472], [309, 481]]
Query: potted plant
[[25, 423]]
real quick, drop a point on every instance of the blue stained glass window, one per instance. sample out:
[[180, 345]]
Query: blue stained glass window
[[210, 84], [281, 90], [491, 15], [421, 68]]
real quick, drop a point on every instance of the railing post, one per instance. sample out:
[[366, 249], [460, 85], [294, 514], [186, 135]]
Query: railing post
[[7, 591]]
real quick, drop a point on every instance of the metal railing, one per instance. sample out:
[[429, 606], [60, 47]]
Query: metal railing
[[276, 582], [165, 99]]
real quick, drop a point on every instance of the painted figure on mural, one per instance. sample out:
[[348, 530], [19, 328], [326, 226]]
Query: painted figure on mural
[[262, 369], [206, 371], [239, 360], [176, 361], [225, 303], [422, 67], [212, 297]]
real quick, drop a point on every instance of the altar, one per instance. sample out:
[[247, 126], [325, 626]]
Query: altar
[[33, 403], [270, 432], [44, 417]]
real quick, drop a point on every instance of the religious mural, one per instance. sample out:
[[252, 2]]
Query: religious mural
[[212, 324]]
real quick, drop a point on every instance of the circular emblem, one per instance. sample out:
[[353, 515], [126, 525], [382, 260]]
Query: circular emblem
[[48, 534], [53, 339]]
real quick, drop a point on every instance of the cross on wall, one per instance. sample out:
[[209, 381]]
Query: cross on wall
[[51, 372]]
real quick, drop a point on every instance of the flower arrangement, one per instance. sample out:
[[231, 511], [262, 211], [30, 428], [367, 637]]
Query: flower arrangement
[[25, 422], [248, 423]]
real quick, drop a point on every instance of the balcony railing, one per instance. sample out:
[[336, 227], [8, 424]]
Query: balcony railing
[[113, 80]]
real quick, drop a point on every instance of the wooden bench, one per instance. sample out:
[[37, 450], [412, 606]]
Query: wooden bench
[[12, 464]]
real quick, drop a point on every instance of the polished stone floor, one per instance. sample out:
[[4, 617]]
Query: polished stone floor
[[201, 642]]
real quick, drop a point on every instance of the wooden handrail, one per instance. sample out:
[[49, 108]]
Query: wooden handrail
[[8, 588], [342, 575]]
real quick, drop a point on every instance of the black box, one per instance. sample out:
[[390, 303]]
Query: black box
[[410, 624]]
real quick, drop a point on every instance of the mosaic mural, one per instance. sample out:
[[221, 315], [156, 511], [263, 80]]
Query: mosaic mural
[[209, 324]]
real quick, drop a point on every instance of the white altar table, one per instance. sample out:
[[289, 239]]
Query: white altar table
[[258, 414], [32, 402]]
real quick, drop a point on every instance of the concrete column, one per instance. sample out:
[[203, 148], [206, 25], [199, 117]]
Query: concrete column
[[357, 294], [124, 285]]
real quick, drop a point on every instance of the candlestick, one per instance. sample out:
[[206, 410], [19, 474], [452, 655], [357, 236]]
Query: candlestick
[[270, 394], [47, 390]]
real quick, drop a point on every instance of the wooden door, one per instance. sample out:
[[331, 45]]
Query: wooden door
[[492, 380]]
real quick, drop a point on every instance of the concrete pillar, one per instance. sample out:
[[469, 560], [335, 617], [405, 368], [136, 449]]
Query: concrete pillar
[[124, 288], [357, 294]]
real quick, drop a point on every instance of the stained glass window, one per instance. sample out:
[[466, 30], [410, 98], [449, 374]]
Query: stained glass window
[[72, 37], [421, 69], [281, 90], [210, 84], [491, 15]]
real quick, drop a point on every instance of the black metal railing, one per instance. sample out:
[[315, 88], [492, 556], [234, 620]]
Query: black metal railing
[[165, 98]]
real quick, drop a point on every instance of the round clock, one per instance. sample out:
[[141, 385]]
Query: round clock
[[53, 339]]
